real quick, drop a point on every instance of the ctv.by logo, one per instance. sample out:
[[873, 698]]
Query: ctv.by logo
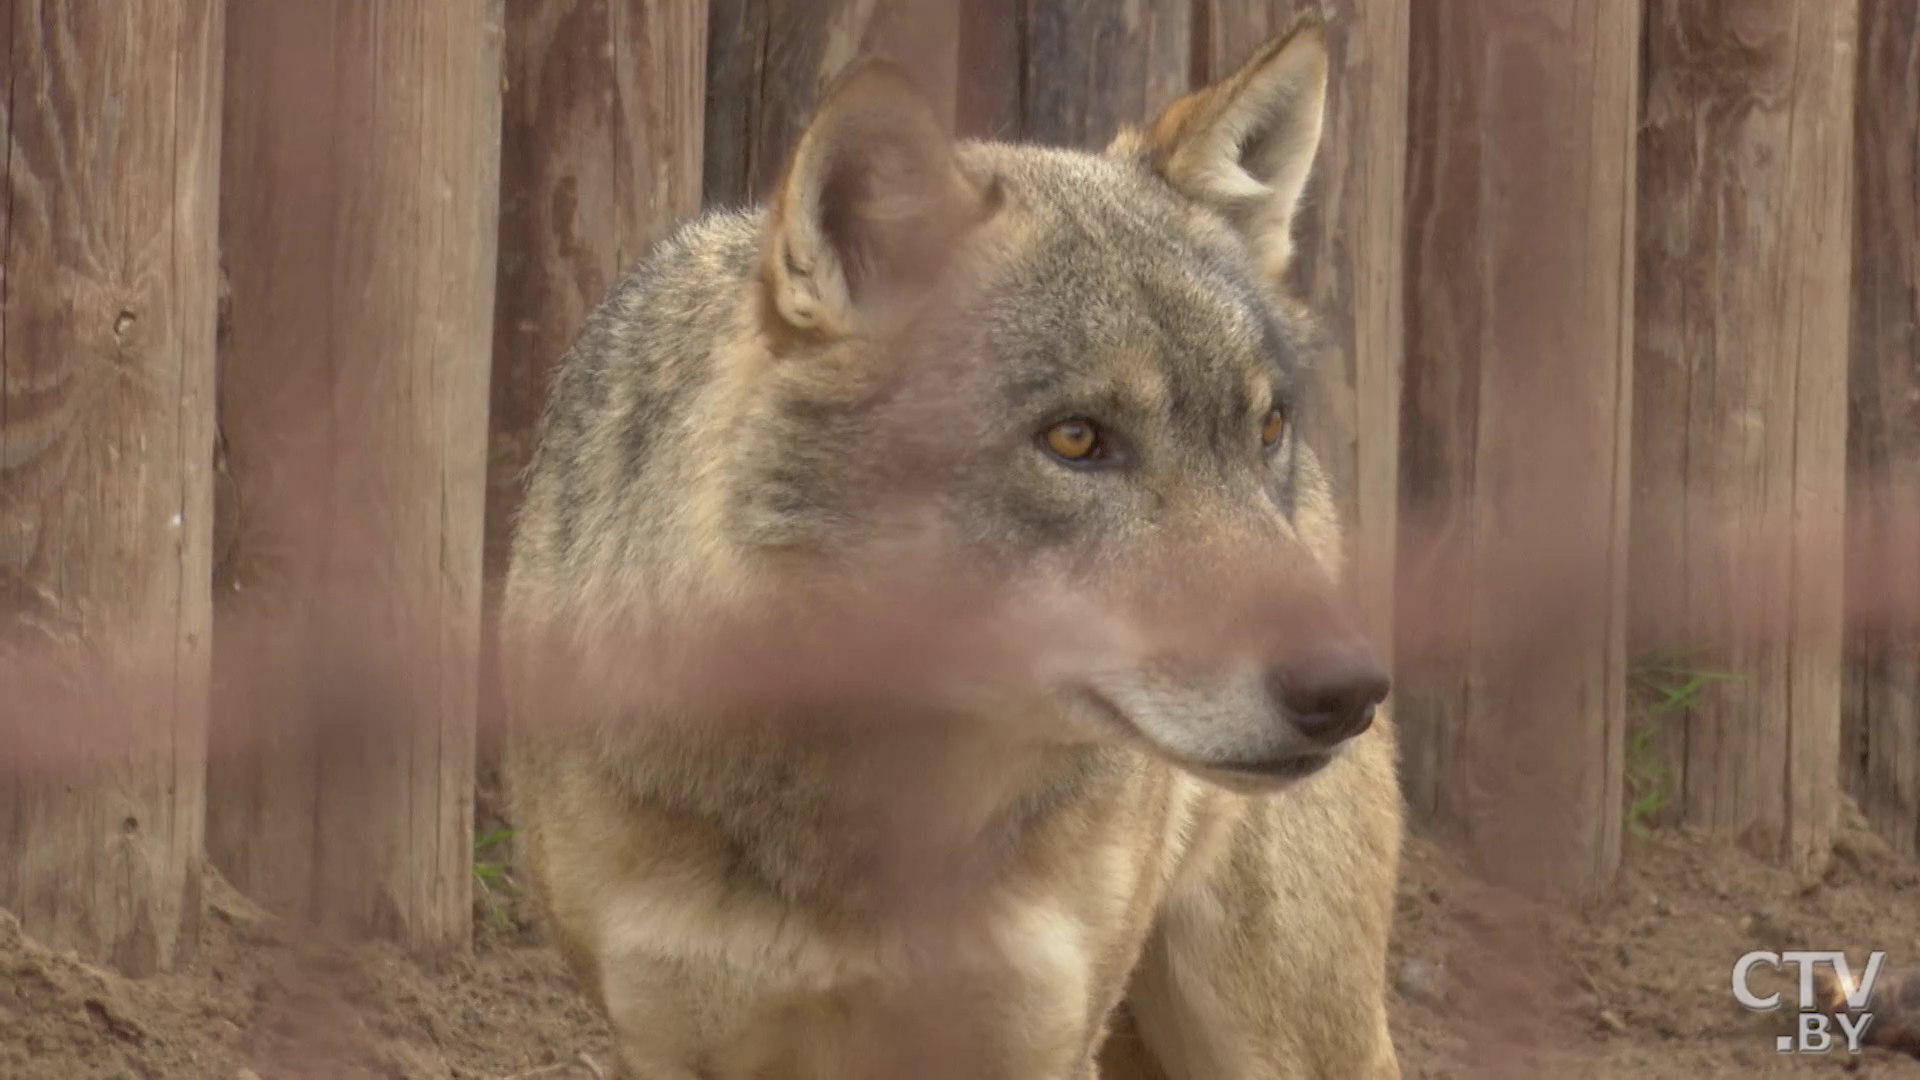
[[1814, 1034]]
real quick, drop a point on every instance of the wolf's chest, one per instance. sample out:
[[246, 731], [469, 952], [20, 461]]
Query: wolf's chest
[[758, 993]]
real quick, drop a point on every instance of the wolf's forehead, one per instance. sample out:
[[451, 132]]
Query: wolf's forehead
[[1107, 271], [1141, 287]]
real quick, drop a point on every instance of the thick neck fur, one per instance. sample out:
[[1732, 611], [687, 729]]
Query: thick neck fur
[[854, 817]]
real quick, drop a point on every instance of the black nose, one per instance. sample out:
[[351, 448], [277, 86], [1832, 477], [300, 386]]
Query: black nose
[[1329, 693]]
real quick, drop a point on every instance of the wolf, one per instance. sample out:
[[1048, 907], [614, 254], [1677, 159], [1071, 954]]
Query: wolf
[[1066, 364]]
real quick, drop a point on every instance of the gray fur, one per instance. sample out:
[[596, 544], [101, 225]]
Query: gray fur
[[775, 388]]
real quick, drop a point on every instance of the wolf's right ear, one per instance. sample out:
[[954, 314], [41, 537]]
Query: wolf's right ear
[[870, 206], [1246, 144]]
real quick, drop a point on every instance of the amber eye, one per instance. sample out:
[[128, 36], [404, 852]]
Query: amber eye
[[1274, 426], [1073, 440]]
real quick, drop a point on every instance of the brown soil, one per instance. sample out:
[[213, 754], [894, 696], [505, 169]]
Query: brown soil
[[1487, 985], [1639, 988]]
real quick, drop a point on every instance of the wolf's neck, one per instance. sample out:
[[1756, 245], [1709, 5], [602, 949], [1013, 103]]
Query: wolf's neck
[[853, 818]]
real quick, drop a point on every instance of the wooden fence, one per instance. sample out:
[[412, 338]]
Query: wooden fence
[[284, 283]]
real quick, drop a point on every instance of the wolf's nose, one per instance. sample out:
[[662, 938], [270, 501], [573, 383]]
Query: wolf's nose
[[1329, 693]]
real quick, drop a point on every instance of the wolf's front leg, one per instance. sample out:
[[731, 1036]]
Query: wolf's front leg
[[1269, 962]]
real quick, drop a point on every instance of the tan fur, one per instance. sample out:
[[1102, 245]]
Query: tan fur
[[709, 885]]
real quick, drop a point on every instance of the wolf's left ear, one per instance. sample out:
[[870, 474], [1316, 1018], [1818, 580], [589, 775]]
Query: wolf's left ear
[[1246, 145], [870, 206]]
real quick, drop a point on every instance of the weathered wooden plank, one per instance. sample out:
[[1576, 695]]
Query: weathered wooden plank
[[769, 62], [359, 222], [1070, 72], [1516, 432], [600, 156], [1350, 261], [1883, 436], [1740, 408], [112, 117]]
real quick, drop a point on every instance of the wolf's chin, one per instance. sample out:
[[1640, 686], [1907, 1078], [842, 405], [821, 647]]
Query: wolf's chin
[[1264, 777], [1245, 777]]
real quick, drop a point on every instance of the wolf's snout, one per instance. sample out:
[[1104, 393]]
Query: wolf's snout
[[1330, 693]]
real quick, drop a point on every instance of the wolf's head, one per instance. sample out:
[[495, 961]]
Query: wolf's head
[[1083, 365]]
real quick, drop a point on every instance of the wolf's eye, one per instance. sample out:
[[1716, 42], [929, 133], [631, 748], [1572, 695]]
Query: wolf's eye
[[1076, 441], [1273, 427]]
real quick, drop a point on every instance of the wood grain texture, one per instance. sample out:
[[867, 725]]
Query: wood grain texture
[[600, 156], [1740, 406], [359, 226], [1515, 421], [769, 61], [111, 117], [1883, 436], [1070, 72], [1349, 260]]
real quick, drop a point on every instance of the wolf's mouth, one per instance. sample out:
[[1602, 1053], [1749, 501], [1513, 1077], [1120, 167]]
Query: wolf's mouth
[[1244, 775], [1122, 723], [1266, 776]]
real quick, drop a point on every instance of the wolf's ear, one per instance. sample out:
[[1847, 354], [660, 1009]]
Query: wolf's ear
[[1246, 145], [870, 206]]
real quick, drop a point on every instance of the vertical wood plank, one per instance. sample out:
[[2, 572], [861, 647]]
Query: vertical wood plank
[[768, 64], [1883, 437], [1350, 261], [1744, 247], [1516, 417], [359, 226], [1070, 72], [112, 120], [600, 156]]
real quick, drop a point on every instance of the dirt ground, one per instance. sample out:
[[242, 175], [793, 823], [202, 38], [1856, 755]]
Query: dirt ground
[[1486, 985]]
